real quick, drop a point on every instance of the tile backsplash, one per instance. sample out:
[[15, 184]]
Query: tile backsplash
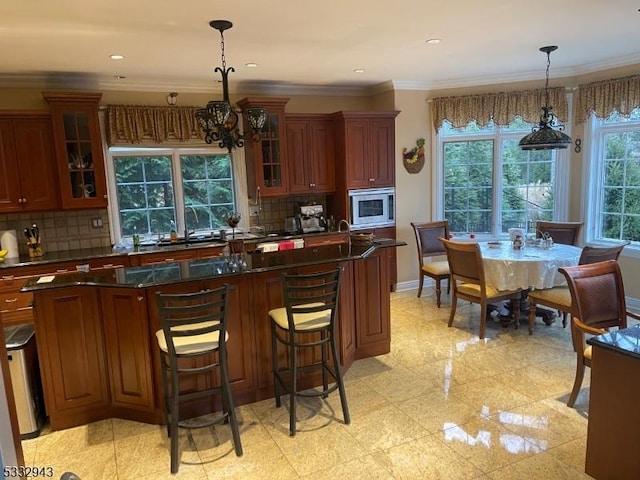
[[275, 210], [63, 230]]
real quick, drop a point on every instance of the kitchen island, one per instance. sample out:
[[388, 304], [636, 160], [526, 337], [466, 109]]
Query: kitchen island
[[95, 331]]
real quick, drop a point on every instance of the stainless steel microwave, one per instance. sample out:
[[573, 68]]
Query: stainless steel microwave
[[372, 207]]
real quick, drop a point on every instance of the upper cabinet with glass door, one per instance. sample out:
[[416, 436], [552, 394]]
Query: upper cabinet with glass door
[[78, 149], [266, 159]]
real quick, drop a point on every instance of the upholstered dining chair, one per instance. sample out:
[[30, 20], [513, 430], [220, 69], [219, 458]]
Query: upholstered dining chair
[[597, 294], [427, 235], [566, 233], [468, 281], [559, 298]]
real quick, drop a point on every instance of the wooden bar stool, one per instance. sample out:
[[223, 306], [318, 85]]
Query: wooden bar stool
[[192, 325], [307, 321]]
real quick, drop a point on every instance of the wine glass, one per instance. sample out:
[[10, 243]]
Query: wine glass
[[232, 220]]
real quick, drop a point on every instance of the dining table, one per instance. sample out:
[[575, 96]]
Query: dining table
[[526, 268]]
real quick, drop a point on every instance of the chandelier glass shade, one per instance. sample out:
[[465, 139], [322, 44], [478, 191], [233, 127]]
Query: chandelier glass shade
[[218, 120], [548, 134]]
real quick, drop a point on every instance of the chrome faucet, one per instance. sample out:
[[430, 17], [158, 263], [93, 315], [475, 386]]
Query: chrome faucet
[[195, 216], [348, 230]]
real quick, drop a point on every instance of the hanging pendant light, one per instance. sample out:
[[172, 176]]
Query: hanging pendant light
[[544, 136], [218, 119]]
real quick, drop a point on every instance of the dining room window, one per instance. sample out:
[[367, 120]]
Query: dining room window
[[614, 178], [488, 184], [159, 190]]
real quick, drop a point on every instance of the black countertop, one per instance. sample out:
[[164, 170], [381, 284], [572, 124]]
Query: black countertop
[[625, 341], [104, 252], [190, 270]]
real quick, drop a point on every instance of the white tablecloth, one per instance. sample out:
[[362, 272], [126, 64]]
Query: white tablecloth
[[509, 269]]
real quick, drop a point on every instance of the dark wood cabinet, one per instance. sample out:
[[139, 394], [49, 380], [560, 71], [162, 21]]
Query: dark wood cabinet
[[310, 154], [28, 179], [78, 145], [266, 159], [71, 353], [128, 346], [373, 305], [365, 146]]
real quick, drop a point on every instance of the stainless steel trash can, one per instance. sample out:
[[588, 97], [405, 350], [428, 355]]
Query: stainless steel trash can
[[25, 379]]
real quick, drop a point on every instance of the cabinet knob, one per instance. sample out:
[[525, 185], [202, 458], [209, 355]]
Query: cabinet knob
[[19, 200], [105, 196], [11, 300], [140, 298], [24, 200]]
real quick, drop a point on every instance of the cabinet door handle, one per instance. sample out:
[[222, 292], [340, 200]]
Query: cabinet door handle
[[24, 200], [108, 265], [62, 270], [105, 197], [7, 277], [140, 298], [10, 300], [169, 260], [19, 200]]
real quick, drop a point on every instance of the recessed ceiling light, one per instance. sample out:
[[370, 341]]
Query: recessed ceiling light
[[251, 65], [433, 41], [119, 77], [358, 70], [116, 57]]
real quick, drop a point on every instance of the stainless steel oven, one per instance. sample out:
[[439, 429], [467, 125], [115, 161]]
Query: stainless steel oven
[[372, 207]]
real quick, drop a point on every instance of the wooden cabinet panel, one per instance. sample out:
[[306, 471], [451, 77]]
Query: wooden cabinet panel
[[310, 153], [128, 348], [210, 252], [329, 239], [267, 168], [78, 143], [365, 142], [27, 163], [71, 355], [373, 307]]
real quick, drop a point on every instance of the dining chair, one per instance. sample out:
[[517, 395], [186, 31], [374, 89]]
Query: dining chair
[[427, 235], [468, 281], [597, 295], [559, 298], [566, 233]]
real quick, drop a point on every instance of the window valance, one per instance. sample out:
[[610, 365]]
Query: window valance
[[135, 124], [501, 107], [602, 98]]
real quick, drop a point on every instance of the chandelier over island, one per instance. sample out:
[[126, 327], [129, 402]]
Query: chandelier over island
[[218, 119], [544, 136]]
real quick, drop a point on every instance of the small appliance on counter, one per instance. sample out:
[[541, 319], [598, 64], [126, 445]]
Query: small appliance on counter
[[311, 218], [292, 225]]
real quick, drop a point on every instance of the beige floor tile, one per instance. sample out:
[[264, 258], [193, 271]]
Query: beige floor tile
[[154, 448], [92, 463], [385, 428], [542, 426], [487, 444], [363, 468], [324, 448], [75, 439], [361, 399], [533, 353], [532, 382], [29, 451], [260, 461], [448, 372], [426, 458], [572, 453], [540, 466], [438, 411], [401, 384], [488, 395]]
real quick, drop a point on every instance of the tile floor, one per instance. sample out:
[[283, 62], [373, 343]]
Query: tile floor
[[442, 405]]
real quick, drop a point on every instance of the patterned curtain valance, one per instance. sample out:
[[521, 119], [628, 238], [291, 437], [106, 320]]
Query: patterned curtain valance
[[501, 107], [602, 98], [134, 124]]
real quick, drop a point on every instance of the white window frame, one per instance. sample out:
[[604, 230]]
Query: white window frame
[[562, 174], [239, 181], [593, 182]]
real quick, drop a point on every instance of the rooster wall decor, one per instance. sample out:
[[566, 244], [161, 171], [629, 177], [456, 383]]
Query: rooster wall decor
[[413, 159]]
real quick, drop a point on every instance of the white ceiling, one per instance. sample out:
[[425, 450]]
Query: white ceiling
[[168, 45]]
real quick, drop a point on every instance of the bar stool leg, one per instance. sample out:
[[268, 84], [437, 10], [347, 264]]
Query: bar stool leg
[[325, 362], [339, 380], [293, 386], [274, 365], [228, 400]]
